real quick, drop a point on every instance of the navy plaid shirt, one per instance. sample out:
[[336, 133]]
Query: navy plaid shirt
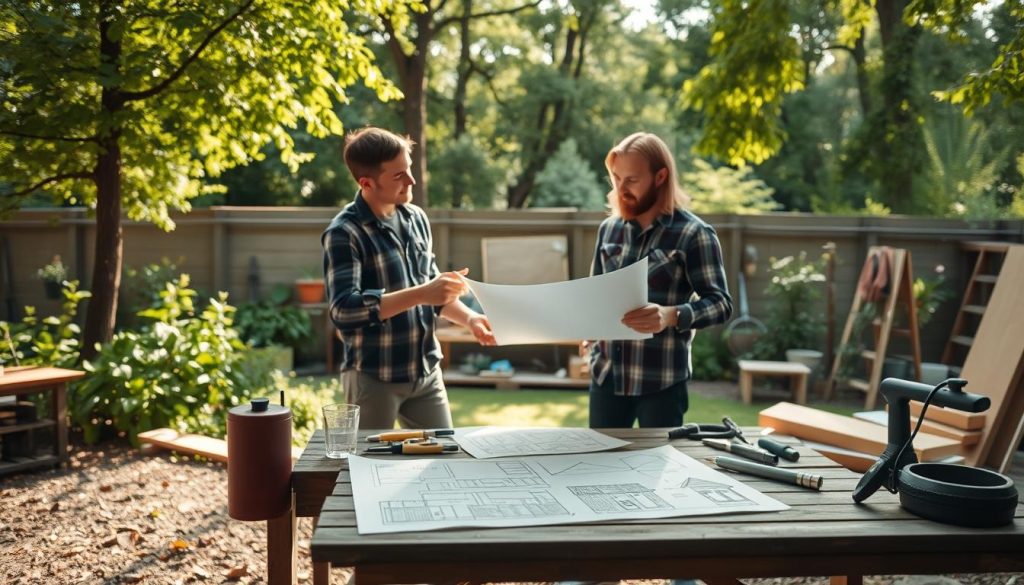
[[685, 270], [363, 259]]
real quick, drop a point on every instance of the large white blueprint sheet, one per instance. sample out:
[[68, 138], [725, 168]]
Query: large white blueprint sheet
[[487, 442], [408, 495], [587, 308]]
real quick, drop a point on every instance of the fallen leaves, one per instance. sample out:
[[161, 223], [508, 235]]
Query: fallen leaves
[[235, 573], [179, 544]]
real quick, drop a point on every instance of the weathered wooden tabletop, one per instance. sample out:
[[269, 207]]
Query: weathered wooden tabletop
[[823, 533]]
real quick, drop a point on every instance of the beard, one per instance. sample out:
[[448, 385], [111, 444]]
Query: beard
[[631, 207]]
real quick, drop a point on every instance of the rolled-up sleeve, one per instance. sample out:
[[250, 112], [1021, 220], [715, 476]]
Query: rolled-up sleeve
[[351, 307], [706, 272]]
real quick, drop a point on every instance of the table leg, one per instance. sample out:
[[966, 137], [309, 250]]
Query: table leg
[[746, 387], [801, 388], [321, 571], [281, 547], [846, 580], [60, 414]]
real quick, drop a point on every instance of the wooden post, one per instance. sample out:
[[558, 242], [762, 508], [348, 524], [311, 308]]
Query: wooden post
[[281, 547]]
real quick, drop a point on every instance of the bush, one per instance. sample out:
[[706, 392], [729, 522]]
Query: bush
[[305, 401], [51, 341], [182, 370], [794, 320], [272, 322], [710, 357], [568, 181]]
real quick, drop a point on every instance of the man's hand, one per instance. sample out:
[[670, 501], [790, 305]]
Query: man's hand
[[444, 289], [650, 318], [584, 348], [480, 327]]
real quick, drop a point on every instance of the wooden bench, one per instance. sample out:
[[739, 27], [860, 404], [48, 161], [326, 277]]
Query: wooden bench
[[797, 373]]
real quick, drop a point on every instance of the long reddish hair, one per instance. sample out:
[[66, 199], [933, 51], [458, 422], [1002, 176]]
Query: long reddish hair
[[654, 150]]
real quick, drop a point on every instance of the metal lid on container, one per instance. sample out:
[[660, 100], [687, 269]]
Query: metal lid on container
[[260, 408]]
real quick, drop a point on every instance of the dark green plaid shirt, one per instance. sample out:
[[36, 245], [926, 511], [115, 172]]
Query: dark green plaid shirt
[[685, 270], [364, 258]]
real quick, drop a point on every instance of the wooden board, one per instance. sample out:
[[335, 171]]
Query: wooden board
[[209, 447], [847, 432], [995, 362], [967, 421], [966, 438], [525, 259]]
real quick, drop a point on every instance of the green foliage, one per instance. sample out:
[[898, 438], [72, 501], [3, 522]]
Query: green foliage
[[756, 62], [709, 356], [305, 399], [462, 175], [50, 341], [963, 169], [1004, 77], [141, 289], [929, 294], [55, 271], [182, 370], [727, 190], [272, 321], [794, 319], [180, 114], [568, 181]]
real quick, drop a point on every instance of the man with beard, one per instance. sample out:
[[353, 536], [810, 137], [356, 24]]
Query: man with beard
[[645, 380], [385, 291]]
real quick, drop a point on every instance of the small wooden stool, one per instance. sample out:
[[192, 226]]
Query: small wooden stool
[[797, 374]]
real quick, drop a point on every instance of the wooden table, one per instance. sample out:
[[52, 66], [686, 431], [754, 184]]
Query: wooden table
[[823, 533], [24, 381]]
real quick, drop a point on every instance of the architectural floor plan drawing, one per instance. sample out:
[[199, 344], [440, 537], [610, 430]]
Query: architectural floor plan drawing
[[406, 495], [487, 442]]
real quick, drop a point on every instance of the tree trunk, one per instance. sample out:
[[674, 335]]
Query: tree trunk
[[106, 275], [898, 138], [412, 76], [465, 70], [553, 129], [860, 60]]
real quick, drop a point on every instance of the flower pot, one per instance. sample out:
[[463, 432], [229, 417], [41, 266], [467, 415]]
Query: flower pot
[[812, 359], [309, 291], [52, 288]]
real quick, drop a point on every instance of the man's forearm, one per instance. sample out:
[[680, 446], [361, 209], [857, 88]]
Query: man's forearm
[[457, 312], [392, 304]]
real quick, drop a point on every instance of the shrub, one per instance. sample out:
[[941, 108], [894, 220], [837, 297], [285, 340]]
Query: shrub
[[794, 319], [272, 322], [50, 341], [709, 356], [305, 401], [182, 370]]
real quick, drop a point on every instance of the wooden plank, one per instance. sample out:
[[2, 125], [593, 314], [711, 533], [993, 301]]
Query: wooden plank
[[209, 447], [847, 432], [995, 363], [769, 368], [19, 379], [968, 421], [966, 438]]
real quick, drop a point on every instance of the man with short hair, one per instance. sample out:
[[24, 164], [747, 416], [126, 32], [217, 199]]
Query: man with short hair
[[645, 380], [385, 291]]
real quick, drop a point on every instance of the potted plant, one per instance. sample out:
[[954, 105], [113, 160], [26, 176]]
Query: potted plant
[[53, 276], [794, 320], [273, 327], [310, 288]]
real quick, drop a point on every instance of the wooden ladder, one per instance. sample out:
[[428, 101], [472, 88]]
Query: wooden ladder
[[901, 293], [976, 297]]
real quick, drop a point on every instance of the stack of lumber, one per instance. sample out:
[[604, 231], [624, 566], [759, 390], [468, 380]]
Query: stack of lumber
[[850, 442]]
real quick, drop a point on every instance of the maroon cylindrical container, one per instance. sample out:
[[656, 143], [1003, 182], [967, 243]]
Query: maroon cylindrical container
[[259, 460]]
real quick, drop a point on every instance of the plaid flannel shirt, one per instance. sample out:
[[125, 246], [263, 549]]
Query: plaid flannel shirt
[[685, 270], [363, 259]]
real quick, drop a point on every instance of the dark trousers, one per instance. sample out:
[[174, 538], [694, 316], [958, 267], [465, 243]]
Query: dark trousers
[[660, 409]]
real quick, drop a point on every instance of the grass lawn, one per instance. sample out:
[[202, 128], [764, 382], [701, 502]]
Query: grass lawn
[[568, 408]]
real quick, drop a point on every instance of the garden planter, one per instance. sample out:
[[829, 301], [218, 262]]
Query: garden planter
[[309, 291], [812, 359]]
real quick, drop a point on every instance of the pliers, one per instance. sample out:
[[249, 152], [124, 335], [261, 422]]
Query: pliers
[[695, 432]]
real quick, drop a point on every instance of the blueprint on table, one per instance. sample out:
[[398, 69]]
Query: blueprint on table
[[407, 495], [487, 442]]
